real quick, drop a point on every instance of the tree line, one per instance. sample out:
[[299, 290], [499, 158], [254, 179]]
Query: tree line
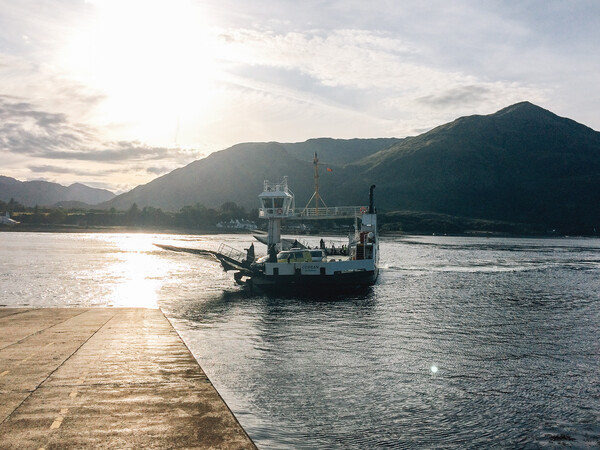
[[193, 217]]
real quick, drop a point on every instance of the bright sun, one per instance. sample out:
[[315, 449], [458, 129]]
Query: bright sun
[[153, 61]]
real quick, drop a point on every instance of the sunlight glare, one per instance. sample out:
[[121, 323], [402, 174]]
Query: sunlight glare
[[153, 60]]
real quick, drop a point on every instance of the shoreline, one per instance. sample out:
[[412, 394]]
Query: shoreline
[[215, 231], [114, 229]]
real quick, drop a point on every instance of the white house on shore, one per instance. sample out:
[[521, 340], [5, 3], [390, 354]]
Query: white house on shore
[[238, 225], [6, 220]]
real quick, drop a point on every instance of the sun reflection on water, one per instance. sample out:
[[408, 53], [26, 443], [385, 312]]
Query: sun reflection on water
[[137, 273]]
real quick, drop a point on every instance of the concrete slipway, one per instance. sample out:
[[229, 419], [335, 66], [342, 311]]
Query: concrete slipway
[[105, 378]]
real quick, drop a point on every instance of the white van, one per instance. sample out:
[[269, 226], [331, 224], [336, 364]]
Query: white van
[[297, 255]]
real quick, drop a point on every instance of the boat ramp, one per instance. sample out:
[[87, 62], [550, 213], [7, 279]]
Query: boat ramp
[[105, 378]]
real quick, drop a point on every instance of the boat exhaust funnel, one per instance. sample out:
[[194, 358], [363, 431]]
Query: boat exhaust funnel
[[371, 207]]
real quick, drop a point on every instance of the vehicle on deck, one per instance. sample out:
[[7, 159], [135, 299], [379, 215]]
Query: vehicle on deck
[[297, 255]]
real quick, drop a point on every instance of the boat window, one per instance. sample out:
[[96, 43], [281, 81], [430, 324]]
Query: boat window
[[317, 253], [278, 202], [267, 203], [298, 255]]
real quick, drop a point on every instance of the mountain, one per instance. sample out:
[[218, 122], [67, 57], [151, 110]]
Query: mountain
[[338, 151], [523, 164], [237, 174], [44, 193], [520, 164]]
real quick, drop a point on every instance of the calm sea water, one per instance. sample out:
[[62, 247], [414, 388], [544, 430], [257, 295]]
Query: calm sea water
[[463, 343]]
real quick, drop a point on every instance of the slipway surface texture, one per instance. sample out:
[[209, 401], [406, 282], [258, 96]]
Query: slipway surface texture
[[105, 378]]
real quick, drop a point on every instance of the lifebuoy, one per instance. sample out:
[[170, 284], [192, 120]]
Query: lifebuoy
[[363, 210], [280, 211]]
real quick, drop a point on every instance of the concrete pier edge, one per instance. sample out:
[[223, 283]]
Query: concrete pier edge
[[207, 377]]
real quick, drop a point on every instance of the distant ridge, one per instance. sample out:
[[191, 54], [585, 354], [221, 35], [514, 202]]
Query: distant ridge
[[44, 193], [520, 164]]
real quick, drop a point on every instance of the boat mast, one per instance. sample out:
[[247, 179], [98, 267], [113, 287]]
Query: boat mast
[[316, 163]]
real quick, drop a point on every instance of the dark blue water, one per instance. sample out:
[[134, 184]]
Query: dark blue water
[[463, 343]]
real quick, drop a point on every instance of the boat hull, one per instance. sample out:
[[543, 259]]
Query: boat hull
[[314, 284]]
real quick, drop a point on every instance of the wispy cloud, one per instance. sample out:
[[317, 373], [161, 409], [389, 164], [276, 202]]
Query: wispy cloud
[[353, 58], [42, 136], [161, 170], [48, 169], [120, 151], [28, 130], [458, 97], [379, 75]]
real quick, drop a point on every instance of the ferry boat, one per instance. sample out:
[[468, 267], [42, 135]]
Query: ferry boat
[[291, 267]]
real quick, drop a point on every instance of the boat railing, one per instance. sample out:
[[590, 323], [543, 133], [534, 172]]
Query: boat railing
[[281, 186], [330, 212], [232, 253], [276, 212]]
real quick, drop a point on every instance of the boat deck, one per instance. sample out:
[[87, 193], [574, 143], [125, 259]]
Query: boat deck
[[105, 377]]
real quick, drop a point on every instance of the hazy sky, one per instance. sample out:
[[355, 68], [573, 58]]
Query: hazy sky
[[115, 93]]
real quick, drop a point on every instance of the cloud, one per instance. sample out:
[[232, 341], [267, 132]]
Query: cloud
[[349, 58], [71, 170], [40, 143], [460, 96], [119, 151], [363, 64], [158, 170], [94, 175], [359, 83], [96, 171], [30, 131]]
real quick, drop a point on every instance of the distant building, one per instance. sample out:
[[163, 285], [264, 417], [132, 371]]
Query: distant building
[[6, 220], [238, 225]]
